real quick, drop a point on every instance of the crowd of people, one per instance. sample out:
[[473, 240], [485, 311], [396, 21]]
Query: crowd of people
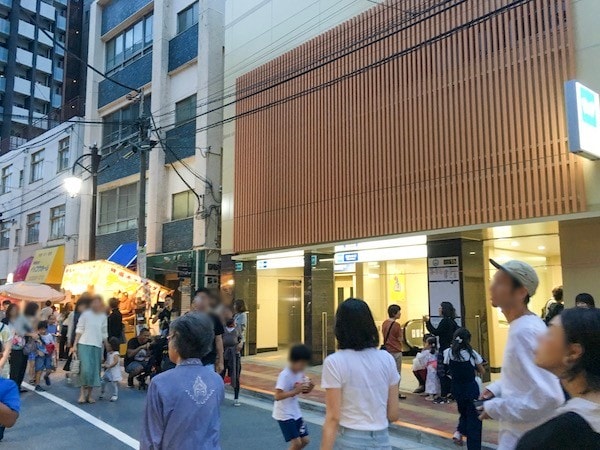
[[547, 397]]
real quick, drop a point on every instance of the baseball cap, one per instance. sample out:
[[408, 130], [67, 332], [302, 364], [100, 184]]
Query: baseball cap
[[520, 271]]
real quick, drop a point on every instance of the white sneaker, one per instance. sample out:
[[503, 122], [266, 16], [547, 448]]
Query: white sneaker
[[457, 438], [236, 403], [114, 398]]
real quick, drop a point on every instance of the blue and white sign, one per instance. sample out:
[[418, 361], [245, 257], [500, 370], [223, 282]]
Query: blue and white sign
[[343, 258], [583, 117]]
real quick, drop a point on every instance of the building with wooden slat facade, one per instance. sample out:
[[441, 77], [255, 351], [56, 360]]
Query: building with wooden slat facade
[[395, 151]]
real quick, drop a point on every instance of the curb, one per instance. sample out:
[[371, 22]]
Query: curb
[[421, 435]]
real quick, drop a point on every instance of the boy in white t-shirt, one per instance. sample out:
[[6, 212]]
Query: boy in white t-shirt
[[112, 370], [291, 383]]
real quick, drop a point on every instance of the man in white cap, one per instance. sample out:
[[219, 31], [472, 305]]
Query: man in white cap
[[526, 395]]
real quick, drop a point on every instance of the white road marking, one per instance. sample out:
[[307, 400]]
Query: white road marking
[[109, 429]]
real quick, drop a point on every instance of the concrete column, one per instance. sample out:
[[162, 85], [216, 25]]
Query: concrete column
[[466, 290], [319, 305], [209, 141], [93, 134], [246, 289], [156, 194], [580, 258]]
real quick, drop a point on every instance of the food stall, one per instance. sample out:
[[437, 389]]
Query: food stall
[[137, 295]]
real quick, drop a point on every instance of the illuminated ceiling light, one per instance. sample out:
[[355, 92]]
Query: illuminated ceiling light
[[286, 254], [541, 247], [514, 244], [472, 253], [383, 243]]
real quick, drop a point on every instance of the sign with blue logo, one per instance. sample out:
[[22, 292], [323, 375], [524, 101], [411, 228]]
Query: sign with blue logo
[[342, 258], [239, 266], [583, 117]]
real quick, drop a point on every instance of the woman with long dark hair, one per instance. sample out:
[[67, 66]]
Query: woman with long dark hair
[[571, 351], [444, 332], [361, 383], [240, 317]]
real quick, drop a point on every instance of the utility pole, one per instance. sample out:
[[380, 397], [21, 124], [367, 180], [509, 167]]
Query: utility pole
[[95, 166], [143, 148]]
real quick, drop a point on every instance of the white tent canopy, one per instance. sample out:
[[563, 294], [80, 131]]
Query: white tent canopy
[[30, 292]]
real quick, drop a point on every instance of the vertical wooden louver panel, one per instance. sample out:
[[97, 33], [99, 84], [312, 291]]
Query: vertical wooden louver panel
[[467, 129]]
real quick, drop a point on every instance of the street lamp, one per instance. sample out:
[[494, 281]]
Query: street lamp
[[73, 186]]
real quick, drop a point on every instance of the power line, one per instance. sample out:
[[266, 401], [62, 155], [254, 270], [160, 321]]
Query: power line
[[76, 56], [336, 55], [356, 72], [312, 68]]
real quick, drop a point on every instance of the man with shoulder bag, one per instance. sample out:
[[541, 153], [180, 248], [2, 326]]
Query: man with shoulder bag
[[393, 337]]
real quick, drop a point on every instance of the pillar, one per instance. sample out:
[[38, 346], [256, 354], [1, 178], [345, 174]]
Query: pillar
[[580, 258], [245, 288], [456, 270], [318, 305]]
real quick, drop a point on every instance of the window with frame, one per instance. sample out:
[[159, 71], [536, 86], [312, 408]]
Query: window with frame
[[129, 45], [4, 235], [5, 180], [118, 209], [33, 228], [188, 17], [37, 166], [21, 178], [184, 205], [63, 154], [57, 222], [185, 109], [122, 124]]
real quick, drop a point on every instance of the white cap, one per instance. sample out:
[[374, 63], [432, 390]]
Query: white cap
[[522, 272]]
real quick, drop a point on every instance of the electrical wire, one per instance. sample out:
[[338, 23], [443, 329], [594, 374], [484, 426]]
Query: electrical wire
[[312, 68], [76, 56], [333, 81], [325, 59]]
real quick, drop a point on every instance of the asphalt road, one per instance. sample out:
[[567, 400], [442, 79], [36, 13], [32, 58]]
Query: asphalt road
[[54, 419], [46, 424]]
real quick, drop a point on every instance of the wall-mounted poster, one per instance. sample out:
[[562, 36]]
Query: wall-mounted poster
[[397, 288], [444, 286]]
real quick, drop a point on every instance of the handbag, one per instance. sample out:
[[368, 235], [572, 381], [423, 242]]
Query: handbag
[[387, 335], [75, 365], [30, 346]]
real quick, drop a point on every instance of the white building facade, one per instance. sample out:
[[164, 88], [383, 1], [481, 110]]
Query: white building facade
[[173, 51], [36, 211]]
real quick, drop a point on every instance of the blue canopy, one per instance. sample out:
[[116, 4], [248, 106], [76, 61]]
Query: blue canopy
[[125, 254]]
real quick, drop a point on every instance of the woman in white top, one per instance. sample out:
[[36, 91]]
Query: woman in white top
[[90, 334], [361, 384]]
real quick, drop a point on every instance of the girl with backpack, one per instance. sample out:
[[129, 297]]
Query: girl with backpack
[[464, 365]]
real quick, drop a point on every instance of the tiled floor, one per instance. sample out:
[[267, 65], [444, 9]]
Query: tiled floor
[[259, 373]]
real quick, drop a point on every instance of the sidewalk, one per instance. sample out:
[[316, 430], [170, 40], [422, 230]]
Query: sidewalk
[[419, 417]]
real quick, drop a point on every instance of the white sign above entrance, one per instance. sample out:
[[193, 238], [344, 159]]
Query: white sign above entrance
[[583, 117]]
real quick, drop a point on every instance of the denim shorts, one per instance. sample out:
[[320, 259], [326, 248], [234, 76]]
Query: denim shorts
[[356, 439], [43, 363]]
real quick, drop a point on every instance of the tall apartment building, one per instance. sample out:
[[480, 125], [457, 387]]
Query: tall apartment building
[[40, 83], [39, 221], [173, 52]]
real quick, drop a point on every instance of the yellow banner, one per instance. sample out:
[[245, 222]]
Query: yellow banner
[[47, 266]]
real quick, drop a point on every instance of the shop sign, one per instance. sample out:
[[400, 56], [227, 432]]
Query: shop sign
[[184, 272], [47, 266], [314, 260], [239, 266], [583, 118], [342, 258]]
